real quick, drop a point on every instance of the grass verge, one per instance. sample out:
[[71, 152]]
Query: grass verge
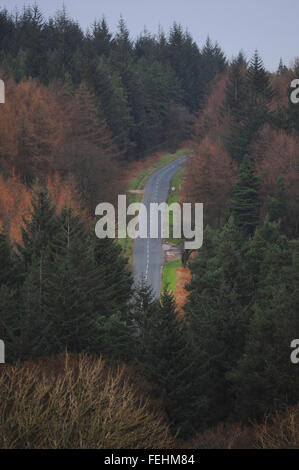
[[169, 278], [139, 181], [175, 196]]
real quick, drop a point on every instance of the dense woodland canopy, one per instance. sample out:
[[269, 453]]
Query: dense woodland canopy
[[80, 107], [146, 90]]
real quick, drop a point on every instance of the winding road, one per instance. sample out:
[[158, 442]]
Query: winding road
[[148, 254]]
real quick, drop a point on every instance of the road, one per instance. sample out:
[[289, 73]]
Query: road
[[148, 255]]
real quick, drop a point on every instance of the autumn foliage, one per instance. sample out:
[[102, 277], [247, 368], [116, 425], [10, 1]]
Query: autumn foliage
[[276, 155], [209, 177], [58, 140], [273, 149]]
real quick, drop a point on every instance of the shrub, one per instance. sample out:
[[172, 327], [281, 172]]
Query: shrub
[[78, 403], [279, 431]]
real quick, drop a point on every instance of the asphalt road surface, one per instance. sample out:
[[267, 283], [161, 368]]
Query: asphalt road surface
[[148, 255]]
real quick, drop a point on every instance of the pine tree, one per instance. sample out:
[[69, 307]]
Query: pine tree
[[276, 202], [10, 322], [167, 360], [236, 90], [39, 230], [261, 89], [248, 97], [81, 308], [113, 101], [122, 54], [7, 263], [212, 62], [281, 68], [33, 329], [245, 201], [218, 312], [101, 37], [117, 277], [265, 378]]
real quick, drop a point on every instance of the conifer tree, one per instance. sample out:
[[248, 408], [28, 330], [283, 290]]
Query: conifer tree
[[33, 331], [212, 62], [265, 377], [166, 358], [236, 90], [245, 201], [101, 36], [248, 97], [81, 303], [217, 310], [39, 231], [117, 277], [10, 322], [276, 204], [259, 80], [7, 262]]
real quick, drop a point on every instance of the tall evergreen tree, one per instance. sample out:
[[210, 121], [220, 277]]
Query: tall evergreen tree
[[259, 80], [213, 62], [166, 358], [265, 378], [236, 90], [248, 97], [81, 304], [218, 312], [117, 277], [245, 198], [40, 229], [101, 37], [7, 263]]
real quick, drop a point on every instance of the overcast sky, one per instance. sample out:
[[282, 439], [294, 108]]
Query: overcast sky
[[271, 26]]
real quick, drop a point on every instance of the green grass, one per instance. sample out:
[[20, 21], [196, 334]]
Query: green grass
[[127, 244], [139, 181], [169, 277]]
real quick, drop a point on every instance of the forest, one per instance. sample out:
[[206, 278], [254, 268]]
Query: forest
[[92, 359]]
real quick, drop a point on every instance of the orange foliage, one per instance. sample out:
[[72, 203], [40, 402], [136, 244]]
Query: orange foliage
[[64, 193], [15, 202], [210, 121], [281, 85], [30, 129], [276, 154], [14, 205], [210, 173], [43, 132], [183, 277]]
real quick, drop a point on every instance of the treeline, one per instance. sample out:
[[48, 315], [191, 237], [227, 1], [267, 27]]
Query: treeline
[[147, 89], [243, 305]]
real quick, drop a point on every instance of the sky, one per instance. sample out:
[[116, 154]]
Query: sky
[[271, 26]]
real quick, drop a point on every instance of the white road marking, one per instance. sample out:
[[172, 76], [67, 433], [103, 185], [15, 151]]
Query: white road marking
[[147, 261]]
